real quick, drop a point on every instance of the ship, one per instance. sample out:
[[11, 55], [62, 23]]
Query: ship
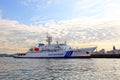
[[57, 50]]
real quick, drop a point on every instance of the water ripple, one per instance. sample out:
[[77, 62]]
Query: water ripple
[[59, 69]]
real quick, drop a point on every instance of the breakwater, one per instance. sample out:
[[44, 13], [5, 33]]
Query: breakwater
[[105, 56]]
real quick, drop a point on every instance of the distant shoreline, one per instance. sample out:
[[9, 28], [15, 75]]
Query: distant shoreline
[[6, 55]]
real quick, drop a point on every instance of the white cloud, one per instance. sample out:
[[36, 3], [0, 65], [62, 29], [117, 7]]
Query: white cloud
[[112, 10], [100, 9], [38, 20], [40, 4], [90, 7], [15, 37], [84, 4], [81, 8]]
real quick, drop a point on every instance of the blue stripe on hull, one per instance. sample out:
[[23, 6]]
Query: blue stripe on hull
[[68, 54]]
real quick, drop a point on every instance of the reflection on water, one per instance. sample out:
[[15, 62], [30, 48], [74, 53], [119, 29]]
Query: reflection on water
[[59, 69]]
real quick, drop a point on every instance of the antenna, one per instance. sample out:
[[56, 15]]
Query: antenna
[[49, 38], [65, 42], [57, 42]]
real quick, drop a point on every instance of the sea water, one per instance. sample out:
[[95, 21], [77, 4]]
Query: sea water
[[59, 69]]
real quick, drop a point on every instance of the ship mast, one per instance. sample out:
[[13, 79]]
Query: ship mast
[[49, 39]]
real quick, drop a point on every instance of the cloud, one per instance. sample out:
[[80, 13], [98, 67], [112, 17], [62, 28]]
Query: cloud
[[90, 7], [80, 8], [38, 20], [60, 9], [40, 4], [101, 9], [112, 10], [16, 37]]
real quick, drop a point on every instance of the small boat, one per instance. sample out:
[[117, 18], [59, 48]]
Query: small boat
[[56, 51]]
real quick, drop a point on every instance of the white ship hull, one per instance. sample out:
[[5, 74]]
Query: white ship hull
[[78, 53]]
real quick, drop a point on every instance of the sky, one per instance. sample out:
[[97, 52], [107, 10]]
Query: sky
[[82, 23]]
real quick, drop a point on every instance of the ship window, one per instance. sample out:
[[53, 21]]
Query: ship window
[[41, 44], [87, 52]]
